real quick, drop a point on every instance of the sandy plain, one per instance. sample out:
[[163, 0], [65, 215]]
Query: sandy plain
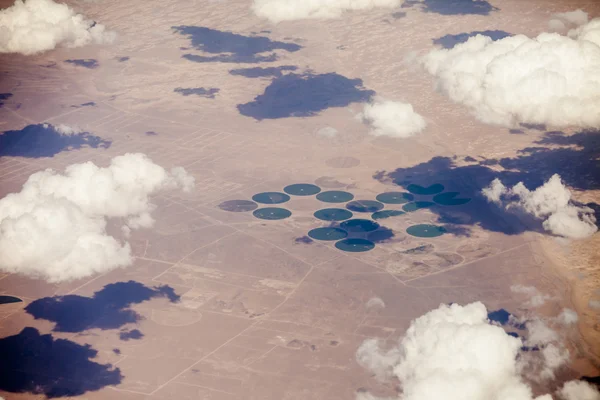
[[265, 313]]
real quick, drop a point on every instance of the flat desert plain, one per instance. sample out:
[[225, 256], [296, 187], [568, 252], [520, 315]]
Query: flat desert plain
[[225, 300]]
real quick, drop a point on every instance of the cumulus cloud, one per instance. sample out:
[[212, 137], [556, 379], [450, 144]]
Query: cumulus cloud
[[288, 10], [55, 227], [571, 19], [455, 353], [65, 130], [550, 203], [34, 26], [568, 317], [392, 118], [552, 79], [579, 390]]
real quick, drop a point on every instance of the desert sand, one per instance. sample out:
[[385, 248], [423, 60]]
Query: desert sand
[[220, 304]]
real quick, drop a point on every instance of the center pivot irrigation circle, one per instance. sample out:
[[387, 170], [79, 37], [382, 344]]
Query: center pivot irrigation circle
[[272, 213], [425, 230], [333, 214], [238, 205], [335, 196], [395, 197], [359, 225], [271, 198], [302, 189], [354, 245], [327, 233], [366, 206]]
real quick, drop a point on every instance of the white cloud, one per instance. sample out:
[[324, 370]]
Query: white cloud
[[55, 227], [571, 19], [579, 390], [550, 203], [552, 79], [64, 130], [392, 118], [455, 353], [288, 10], [536, 298], [568, 317], [34, 26]]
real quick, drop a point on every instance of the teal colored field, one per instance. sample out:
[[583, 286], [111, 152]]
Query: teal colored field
[[272, 213], [395, 197], [425, 230], [365, 206], [335, 196], [271, 198], [383, 214], [333, 214], [302, 189], [355, 245]]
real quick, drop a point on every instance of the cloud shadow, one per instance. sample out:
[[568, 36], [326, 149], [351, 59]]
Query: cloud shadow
[[199, 91], [41, 365], [453, 7], [89, 63], [4, 96], [258, 72], [231, 47], [305, 95], [573, 157], [108, 308], [42, 140], [449, 41]]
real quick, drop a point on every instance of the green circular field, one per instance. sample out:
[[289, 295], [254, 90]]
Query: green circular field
[[387, 214], [355, 245], [395, 197], [365, 206], [327, 234], [333, 214], [272, 213], [271, 198], [302, 189], [425, 230], [335, 196]]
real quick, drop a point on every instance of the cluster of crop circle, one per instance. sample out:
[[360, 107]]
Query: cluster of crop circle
[[349, 226]]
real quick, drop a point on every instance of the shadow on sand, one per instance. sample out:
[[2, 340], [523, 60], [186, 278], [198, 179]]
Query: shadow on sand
[[42, 140], [231, 47], [453, 7], [449, 41], [42, 365], [305, 95], [574, 158], [108, 308]]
